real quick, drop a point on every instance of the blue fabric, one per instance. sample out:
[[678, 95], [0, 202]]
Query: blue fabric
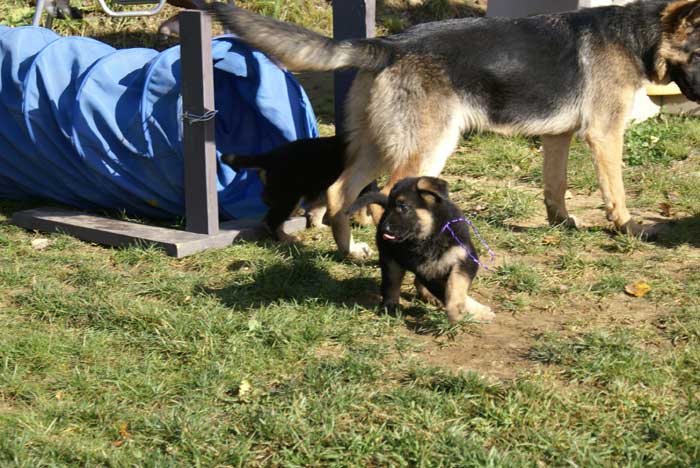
[[94, 127]]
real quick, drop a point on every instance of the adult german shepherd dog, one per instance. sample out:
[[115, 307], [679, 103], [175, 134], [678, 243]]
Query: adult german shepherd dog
[[550, 75]]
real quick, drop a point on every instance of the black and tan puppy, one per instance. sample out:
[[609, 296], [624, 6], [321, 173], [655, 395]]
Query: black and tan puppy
[[553, 75], [301, 170], [411, 236]]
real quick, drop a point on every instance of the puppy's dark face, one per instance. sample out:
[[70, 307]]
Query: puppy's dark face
[[410, 212]]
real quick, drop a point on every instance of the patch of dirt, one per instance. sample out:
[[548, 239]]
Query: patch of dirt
[[499, 350]]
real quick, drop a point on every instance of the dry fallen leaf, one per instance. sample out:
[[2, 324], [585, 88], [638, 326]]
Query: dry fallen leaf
[[638, 289], [123, 433], [551, 240], [244, 389], [665, 209]]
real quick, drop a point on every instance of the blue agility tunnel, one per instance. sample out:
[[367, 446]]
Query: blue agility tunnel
[[94, 127]]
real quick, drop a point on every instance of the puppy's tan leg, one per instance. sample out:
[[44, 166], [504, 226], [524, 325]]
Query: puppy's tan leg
[[363, 217], [425, 294], [284, 237], [315, 212], [555, 149], [459, 304]]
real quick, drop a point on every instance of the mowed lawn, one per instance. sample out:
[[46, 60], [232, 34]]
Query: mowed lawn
[[263, 354]]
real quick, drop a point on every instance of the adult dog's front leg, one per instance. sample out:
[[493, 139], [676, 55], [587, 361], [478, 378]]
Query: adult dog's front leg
[[555, 149], [606, 146]]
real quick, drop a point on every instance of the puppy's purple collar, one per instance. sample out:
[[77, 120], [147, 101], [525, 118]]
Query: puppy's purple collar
[[448, 227]]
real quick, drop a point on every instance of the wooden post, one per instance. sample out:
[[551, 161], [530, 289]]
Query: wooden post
[[352, 19], [201, 198]]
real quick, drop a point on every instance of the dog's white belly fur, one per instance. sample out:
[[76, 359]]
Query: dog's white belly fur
[[474, 117]]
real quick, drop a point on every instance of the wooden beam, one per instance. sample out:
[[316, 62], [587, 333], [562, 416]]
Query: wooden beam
[[352, 19], [117, 233], [201, 197]]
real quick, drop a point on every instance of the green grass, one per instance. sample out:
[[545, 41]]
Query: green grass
[[269, 355]]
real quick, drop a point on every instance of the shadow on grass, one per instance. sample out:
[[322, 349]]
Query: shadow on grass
[[669, 233], [425, 320], [301, 278], [679, 232], [296, 279], [319, 87]]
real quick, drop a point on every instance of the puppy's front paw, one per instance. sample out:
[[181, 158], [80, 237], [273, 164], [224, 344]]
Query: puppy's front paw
[[425, 294], [314, 217], [473, 311], [390, 307], [482, 314], [360, 251]]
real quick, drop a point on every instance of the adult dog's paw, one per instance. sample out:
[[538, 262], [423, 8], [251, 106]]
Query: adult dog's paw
[[360, 251], [569, 222]]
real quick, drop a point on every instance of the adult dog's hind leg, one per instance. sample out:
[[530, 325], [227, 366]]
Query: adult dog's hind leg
[[407, 171], [555, 149], [428, 160], [341, 195]]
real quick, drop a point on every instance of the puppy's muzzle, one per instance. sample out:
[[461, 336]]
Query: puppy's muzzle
[[388, 234]]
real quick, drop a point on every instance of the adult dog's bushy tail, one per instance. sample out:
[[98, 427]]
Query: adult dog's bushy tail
[[298, 48]]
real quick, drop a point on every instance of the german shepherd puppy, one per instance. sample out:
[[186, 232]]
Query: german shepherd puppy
[[552, 75], [296, 171], [301, 170], [411, 236]]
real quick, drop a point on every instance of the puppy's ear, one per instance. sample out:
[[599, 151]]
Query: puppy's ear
[[377, 198], [679, 14], [432, 189]]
